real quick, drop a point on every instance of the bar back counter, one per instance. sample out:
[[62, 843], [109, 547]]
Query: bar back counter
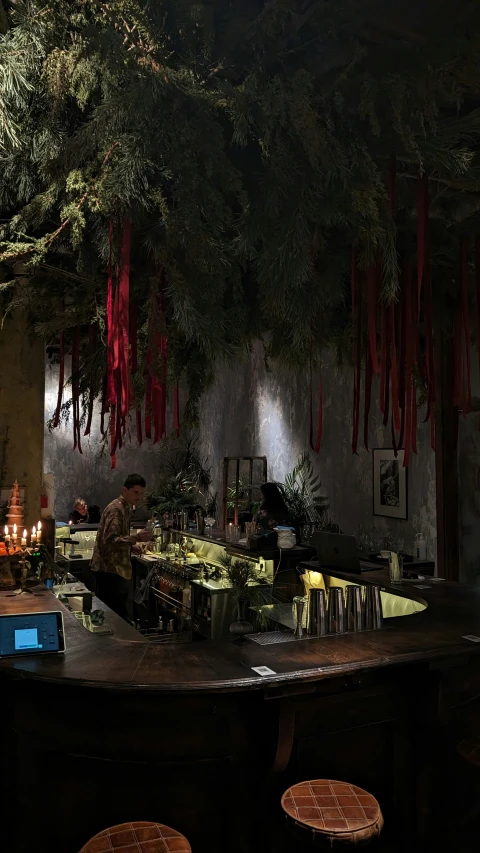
[[118, 729]]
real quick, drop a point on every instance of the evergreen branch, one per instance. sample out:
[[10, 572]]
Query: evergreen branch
[[47, 241]]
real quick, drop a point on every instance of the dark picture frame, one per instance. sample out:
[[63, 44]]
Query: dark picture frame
[[390, 484]]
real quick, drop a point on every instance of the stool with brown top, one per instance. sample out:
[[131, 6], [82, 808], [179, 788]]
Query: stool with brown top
[[141, 837], [332, 814]]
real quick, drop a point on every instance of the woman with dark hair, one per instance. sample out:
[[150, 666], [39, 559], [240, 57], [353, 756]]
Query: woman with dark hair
[[273, 511]]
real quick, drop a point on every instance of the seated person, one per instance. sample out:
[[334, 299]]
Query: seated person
[[273, 510], [79, 514]]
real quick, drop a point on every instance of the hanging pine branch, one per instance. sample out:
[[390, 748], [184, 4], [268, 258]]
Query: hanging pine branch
[[249, 147]]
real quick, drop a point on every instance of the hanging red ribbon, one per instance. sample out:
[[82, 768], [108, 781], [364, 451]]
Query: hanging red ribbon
[[394, 369], [368, 394], [118, 338], [372, 280], [75, 389], [410, 343], [61, 381]]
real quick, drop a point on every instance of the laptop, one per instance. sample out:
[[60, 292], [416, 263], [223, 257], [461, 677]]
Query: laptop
[[338, 551]]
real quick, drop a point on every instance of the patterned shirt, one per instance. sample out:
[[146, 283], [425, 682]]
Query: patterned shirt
[[114, 543]]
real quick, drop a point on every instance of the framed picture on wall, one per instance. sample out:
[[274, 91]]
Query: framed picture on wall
[[390, 494]]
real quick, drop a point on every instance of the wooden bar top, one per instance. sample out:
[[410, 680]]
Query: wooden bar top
[[127, 662]]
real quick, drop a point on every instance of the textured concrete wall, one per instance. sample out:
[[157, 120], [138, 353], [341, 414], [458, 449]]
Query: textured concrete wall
[[89, 475], [252, 412], [21, 412]]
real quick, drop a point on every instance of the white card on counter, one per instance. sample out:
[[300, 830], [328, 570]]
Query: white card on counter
[[471, 637], [263, 670]]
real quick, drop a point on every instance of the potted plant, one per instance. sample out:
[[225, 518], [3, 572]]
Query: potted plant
[[308, 509]]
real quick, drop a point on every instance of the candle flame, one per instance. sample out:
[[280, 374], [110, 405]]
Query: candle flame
[[24, 534], [33, 530], [14, 528], [39, 526], [6, 530]]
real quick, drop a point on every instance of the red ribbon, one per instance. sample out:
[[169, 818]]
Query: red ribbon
[[61, 381], [75, 389], [123, 318], [118, 339], [394, 374], [372, 294], [368, 395]]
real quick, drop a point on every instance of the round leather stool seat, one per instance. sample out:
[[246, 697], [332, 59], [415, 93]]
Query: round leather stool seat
[[337, 813], [141, 837], [469, 749]]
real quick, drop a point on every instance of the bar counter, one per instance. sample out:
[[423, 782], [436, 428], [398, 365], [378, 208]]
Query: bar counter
[[178, 733]]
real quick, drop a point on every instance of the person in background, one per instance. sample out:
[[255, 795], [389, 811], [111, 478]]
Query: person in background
[[273, 510], [94, 514], [79, 514], [111, 556]]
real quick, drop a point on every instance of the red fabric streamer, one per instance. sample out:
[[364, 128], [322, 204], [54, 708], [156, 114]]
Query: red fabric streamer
[[383, 356], [75, 389], [368, 395], [316, 445], [104, 409], [372, 295], [123, 318], [61, 381]]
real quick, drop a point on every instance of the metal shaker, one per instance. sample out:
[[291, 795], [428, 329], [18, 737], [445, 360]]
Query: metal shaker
[[299, 607], [355, 613], [317, 613], [336, 610], [373, 608]]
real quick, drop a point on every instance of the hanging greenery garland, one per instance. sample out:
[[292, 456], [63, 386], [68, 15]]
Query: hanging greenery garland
[[243, 152]]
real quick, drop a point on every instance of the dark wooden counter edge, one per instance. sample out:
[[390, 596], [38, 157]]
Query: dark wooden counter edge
[[453, 611]]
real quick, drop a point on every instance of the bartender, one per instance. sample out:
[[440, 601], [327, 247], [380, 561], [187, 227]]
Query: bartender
[[273, 510], [113, 547], [79, 514]]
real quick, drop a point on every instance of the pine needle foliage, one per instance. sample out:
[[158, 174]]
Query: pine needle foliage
[[249, 144]]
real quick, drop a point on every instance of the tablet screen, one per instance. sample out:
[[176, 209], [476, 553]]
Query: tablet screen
[[31, 633]]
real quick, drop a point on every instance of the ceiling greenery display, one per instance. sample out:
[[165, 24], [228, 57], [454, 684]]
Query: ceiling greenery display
[[179, 179]]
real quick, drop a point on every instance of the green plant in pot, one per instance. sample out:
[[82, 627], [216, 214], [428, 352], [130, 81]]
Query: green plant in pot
[[307, 508], [240, 574], [173, 494]]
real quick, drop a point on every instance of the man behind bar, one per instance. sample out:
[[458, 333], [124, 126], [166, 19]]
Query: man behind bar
[[111, 556]]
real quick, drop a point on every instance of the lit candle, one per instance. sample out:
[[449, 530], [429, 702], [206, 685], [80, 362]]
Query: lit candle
[[34, 536], [7, 535], [39, 531], [23, 541], [14, 534]]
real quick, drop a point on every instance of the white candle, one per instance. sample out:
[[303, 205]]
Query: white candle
[[23, 541], [14, 534], [39, 529], [34, 536]]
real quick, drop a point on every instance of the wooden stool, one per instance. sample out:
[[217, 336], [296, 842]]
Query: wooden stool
[[335, 814], [141, 837]]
